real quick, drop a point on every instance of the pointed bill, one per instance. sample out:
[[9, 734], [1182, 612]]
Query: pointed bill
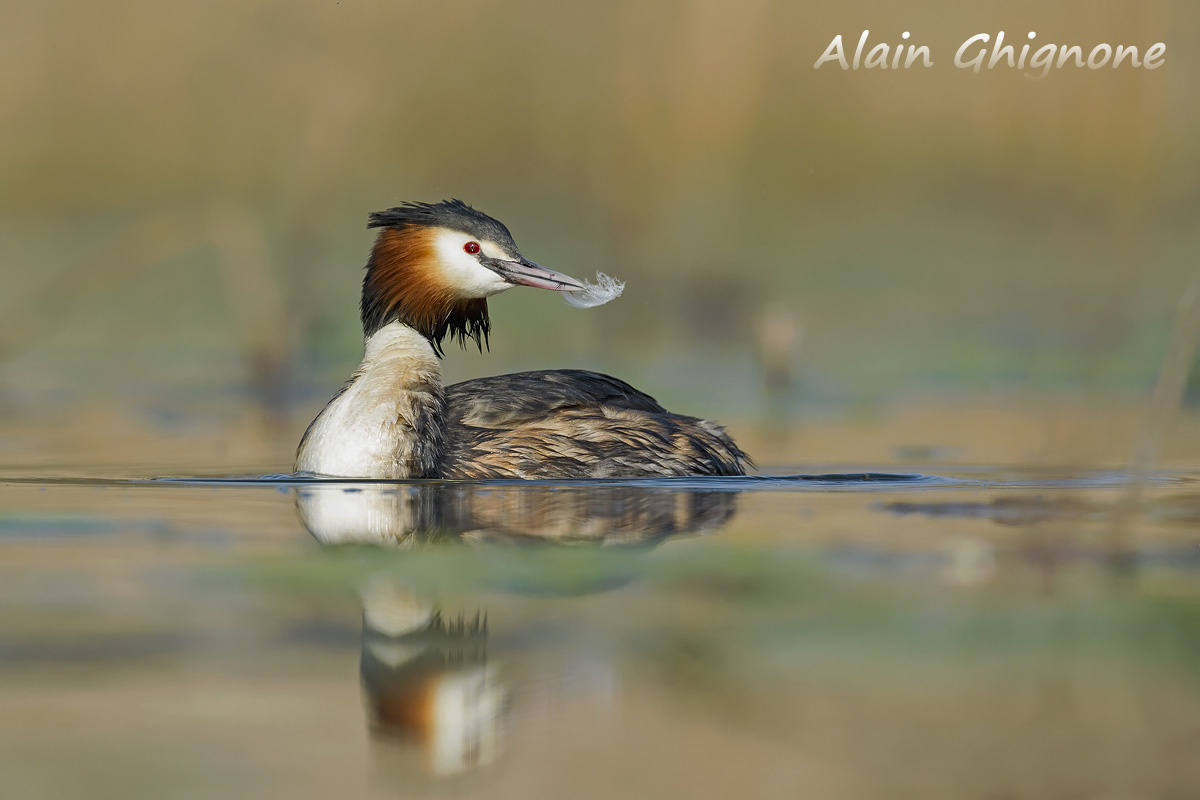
[[527, 273]]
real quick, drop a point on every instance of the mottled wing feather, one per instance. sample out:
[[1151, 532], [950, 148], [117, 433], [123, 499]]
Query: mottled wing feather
[[507, 400], [575, 424]]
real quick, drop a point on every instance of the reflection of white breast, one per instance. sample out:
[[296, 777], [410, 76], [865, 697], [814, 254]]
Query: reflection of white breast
[[394, 610], [337, 514], [466, 720]]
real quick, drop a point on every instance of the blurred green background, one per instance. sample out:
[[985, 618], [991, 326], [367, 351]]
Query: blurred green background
[[184, 190]]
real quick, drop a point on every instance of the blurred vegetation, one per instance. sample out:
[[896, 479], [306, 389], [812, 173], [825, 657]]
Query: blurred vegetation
[[185, 189]]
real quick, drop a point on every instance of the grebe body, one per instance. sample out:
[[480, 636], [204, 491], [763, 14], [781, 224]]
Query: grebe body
[[430, 272]]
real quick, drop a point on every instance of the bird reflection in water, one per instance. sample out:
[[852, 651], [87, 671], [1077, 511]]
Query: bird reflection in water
[[427, 680]]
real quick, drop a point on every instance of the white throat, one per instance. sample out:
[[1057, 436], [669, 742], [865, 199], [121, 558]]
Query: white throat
[[387, 421]]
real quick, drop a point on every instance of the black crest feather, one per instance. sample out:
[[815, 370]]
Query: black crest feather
[[453, 214]]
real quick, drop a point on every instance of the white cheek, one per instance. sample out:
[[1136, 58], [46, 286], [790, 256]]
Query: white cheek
[[462, 271]]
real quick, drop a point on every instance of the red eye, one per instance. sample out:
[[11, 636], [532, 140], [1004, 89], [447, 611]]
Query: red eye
[[471, 247]]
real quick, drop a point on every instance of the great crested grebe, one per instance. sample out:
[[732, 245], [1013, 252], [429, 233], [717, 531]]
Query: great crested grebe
[[429, 276]]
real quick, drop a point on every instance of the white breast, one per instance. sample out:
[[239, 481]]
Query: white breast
[[368, 430]]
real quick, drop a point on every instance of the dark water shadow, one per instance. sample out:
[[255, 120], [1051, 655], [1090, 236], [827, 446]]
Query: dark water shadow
[[820, 478]]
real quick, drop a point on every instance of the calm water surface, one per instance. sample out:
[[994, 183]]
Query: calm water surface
[[825, 632]]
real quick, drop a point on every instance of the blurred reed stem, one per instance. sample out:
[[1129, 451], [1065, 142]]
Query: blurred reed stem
[[1160, 414]]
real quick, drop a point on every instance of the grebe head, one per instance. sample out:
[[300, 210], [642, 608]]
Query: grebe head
[[435, 264]]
